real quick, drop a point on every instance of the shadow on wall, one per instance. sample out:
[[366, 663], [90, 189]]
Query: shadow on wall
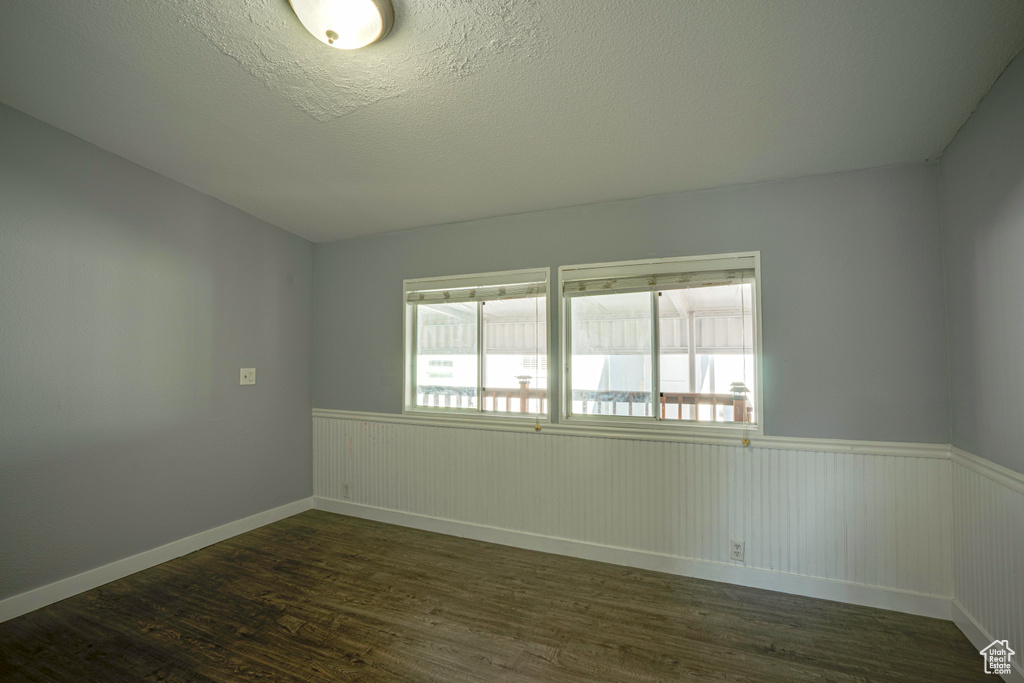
[[982, 193]]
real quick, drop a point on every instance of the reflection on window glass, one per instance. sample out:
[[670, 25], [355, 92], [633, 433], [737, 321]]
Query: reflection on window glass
[[611, 354], [706, 357], [446, 353], [515, 356]]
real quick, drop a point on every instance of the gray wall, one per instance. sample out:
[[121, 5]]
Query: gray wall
[[982, 191], [128, 303], [853, 317]]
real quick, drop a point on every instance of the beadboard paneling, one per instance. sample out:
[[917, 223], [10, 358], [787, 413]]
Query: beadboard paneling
[[868, 519], [988, 523]]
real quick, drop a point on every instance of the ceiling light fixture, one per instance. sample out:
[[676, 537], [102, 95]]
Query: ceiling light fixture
[[346, 24]]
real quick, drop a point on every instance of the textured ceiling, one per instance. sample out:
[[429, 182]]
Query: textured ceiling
[[474, 108], [457, 37]]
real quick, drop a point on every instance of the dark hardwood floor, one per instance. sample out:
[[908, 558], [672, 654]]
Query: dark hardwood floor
[[321, 597]]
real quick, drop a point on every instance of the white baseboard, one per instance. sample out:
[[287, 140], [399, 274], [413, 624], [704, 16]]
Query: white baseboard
[[870, 596], [827, 589], [59, 590], [980, 638]]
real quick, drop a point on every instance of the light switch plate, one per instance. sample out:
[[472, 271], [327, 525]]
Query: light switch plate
[[248, 376]]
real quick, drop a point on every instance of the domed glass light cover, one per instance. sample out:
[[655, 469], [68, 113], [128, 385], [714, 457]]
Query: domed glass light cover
[[346, 24]]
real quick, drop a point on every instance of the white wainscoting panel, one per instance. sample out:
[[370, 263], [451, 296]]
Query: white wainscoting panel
[[864, 519], [988, 519]]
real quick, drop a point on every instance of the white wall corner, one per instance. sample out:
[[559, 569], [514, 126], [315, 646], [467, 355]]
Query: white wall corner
[[988, 514], [981, 638]]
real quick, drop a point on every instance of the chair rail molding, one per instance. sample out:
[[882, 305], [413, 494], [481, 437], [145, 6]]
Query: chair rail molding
[[697, 434], [988, 469]]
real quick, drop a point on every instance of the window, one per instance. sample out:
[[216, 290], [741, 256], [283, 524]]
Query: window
[[477, 344], [670, 341]]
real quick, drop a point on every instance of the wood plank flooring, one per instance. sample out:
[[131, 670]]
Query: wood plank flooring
[[322, 597]]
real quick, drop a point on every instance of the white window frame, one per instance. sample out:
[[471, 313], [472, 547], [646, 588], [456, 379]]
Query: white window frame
[[409, 328], [618, 269]]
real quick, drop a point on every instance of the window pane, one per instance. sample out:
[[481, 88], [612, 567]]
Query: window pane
[[707, 353], [515, 356], [611, 354], [446, 355]]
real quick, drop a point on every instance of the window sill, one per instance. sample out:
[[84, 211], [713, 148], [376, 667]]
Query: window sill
[[473, 418], [608, 426]]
